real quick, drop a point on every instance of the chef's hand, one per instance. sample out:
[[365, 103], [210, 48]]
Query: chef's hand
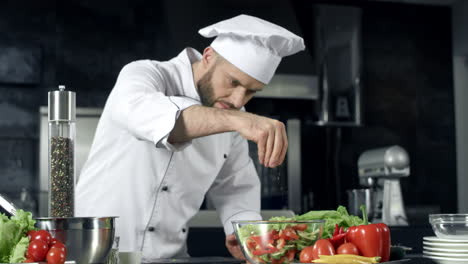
[[270, 136], [234, 248]]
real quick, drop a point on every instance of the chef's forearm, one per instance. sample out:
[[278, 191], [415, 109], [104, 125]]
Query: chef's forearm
[[198, 121]]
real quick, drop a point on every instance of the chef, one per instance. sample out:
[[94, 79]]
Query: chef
[[173, 131]]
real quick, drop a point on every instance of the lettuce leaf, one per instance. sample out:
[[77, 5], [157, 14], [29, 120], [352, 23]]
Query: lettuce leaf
[[13, 239], [340, 217], [17, 254]]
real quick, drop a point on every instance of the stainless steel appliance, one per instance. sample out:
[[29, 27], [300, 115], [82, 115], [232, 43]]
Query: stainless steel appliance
[[381, 170], [6, 207]]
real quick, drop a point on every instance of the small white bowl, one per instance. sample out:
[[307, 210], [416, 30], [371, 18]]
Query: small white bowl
[[450, 226]]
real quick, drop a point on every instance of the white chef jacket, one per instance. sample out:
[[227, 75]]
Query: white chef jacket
[[155, 187]]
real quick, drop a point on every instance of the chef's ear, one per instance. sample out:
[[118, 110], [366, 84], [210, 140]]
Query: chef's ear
[[209, 57]]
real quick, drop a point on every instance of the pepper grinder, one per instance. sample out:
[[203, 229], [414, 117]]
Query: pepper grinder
[[62, 133]]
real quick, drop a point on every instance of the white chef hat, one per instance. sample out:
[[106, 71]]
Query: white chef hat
[[253, 45]]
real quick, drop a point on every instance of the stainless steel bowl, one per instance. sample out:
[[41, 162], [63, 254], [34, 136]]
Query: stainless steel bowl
[[88, 239]]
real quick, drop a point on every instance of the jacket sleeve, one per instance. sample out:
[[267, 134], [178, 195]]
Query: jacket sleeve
[[139, 104], [236, 191]]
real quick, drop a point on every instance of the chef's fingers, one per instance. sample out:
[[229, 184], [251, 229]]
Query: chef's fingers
[[269, 147], [275, 159], [285, 145], [261, 144], [231, 239]]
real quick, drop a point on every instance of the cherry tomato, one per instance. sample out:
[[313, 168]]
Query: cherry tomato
[[37, 250], [28, 260], [348, 248], [42, 235], [30, 234], [56, 256], [306, 255], [322, 247], [53, 241], [60, 246]]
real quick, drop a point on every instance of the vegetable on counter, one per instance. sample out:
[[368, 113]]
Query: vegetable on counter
[[370, 239], [345, 239], [279, 244], [13, 239], [346, 258], [20, 242]]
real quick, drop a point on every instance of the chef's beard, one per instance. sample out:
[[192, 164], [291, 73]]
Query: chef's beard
[[205, 89]]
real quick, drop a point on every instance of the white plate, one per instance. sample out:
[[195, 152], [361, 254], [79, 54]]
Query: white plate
[[446, 254], [461, 251], [444, 240], [445, 245], [442, 260]]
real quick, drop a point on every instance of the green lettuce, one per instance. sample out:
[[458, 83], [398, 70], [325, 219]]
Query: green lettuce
[[13, 239], [340, 217], [17, 254]]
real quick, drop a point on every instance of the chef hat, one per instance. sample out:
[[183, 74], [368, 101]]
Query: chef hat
[[253, 45]]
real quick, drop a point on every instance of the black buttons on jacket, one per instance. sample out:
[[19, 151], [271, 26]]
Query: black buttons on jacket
[[225, 156], [184, 230], [151, 229], [165, 188]]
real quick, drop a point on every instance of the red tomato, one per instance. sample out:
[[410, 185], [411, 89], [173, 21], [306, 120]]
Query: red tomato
[[291, 254], [30, 234], [53, 241], [37, 250], [28, 260], [60, 246], [322, 247], [42, 235], [56, 256], [306, 255], [300, 227], [288, 234], [250, 243], [348, 248]]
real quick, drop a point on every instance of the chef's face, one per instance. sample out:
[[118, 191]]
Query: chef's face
[[223, 85]]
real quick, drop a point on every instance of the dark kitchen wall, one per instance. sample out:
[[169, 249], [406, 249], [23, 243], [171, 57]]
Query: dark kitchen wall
[[83, 44], [408, 101]]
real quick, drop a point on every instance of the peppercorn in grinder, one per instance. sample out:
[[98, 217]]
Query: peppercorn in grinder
[[62, 118], [381, 170]]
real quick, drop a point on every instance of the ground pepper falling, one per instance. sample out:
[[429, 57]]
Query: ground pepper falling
[[61, 177]]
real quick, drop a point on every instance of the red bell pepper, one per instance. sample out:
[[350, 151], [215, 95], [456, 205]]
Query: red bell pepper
[[371, 239], [386, 241]]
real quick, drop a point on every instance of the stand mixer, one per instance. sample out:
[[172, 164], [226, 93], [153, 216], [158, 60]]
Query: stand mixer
[[381, 170]]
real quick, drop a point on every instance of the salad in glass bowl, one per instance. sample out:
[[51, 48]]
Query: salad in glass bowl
[[276, 242]]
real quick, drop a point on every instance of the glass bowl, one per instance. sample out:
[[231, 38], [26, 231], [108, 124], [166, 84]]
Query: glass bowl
[[450, 226], [276, 241]]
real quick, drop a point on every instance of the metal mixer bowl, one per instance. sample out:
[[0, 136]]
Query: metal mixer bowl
[[88, 239]]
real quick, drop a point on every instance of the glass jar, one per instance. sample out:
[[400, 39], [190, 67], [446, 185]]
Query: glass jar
[[62, 118]]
